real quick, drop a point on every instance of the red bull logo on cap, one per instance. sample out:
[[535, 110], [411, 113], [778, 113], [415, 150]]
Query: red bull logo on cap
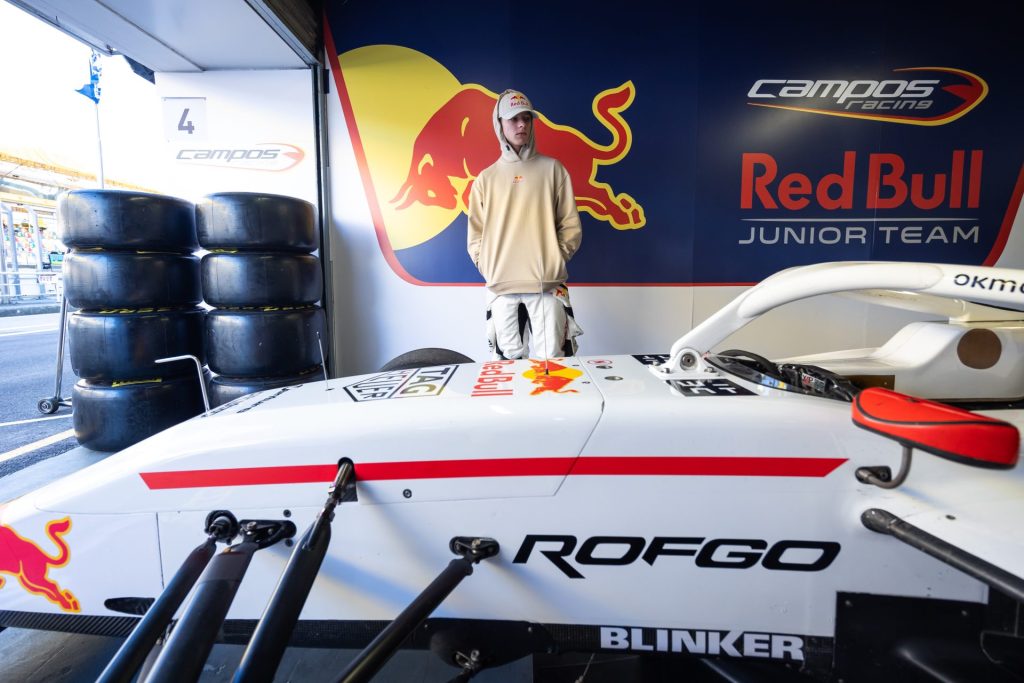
[[30, 565], [548, 375], [518, 99]]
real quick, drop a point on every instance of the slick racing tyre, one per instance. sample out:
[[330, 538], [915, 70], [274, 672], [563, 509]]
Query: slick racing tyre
[[114, 219], [124, 345], [110, 416], [422, 358], [224, 389], [263, 342], [261, 279], [96, 280], [245, 220]]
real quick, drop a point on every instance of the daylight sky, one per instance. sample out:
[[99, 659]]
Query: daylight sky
[[42, 118]]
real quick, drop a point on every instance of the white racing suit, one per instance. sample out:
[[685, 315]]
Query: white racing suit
[[512, 319]]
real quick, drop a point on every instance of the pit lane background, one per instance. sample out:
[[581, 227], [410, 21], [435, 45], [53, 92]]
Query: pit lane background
[[664, 220]]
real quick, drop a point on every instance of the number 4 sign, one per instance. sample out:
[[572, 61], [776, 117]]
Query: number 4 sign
[[184, 118]]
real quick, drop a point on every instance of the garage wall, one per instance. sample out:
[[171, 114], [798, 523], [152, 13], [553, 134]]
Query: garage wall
[[238, 131], [709, 147]]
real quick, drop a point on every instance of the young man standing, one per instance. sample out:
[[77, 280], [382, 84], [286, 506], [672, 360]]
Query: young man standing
[[523, 229]]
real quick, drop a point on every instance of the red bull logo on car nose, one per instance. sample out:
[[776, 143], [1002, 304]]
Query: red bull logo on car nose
[[30, 565], [548, 375]]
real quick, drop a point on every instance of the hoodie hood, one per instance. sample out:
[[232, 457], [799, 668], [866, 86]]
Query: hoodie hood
[[508, 153]]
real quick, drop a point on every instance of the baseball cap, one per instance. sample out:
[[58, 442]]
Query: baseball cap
[[512, 102]]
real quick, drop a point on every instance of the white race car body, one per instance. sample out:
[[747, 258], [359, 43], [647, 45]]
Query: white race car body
[[641, 503]]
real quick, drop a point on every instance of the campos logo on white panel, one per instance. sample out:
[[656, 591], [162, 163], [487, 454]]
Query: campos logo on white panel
[[262, 156]]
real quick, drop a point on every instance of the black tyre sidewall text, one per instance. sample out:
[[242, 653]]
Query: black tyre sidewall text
[[111, 418]]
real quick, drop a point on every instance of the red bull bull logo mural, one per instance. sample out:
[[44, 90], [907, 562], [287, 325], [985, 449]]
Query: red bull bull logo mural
[[30, 565], [549, 375], [672, 131], [458, 142], [419, 169]]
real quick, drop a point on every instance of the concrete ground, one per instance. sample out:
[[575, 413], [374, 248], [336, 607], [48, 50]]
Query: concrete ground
[[28, 360], [29, 307]]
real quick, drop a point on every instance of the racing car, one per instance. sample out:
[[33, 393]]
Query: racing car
[[846, 515]]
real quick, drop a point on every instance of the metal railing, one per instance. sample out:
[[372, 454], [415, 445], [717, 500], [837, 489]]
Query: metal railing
[[24, 284], [38, 279]]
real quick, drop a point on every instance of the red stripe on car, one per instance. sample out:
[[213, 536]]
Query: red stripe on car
[[500, 467]]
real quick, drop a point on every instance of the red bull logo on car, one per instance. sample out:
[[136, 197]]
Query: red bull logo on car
[[549, 375], [494, 379], [30, 565]]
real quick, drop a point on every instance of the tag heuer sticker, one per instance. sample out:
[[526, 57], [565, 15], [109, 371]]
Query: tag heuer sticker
[[402, 384]]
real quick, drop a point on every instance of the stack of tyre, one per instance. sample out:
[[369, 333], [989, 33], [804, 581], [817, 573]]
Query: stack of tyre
[[263, 283], [132, 274]]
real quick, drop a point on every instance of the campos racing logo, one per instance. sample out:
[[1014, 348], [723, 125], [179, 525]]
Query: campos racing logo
[[30, 564], [928, 96], [264, 156], [716, 553]]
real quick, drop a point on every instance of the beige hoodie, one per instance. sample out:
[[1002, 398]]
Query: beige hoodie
[[523, 223]]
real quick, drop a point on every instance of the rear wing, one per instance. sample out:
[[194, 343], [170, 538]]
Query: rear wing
[[956, 292]]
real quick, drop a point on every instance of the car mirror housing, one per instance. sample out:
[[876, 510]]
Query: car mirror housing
[[944, 430]]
